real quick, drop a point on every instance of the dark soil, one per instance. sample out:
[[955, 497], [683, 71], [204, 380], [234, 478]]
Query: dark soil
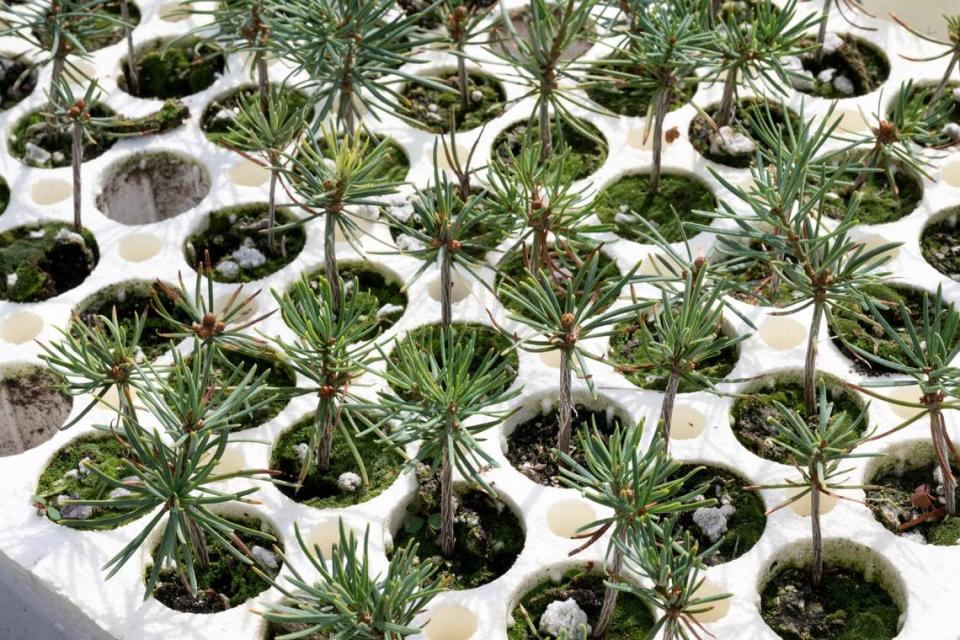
[[55, 143], [609, 89], [238, 243], [941, 247], [869, 335], [489, 535], [845, 607], [32, 408], [226, 582], [858, 60], [908, 501], [175, 71], [530, 447], [101, 24], [675, 203], [41, 261], [749, 112], [432, 108], [744, 526], [131, 299], [218, 115], [585, 155], [751, 415], [380, 294], [4, 195], [632, 619], [320, 490], [626, 351], [878, 202], [17, 80]]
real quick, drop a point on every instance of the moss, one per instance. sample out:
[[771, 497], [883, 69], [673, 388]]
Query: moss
[[860, 61], [848, 606], [940, 246], [752, 414], [320, 490], [889, 497], [380, 294], [395, 162], [102, 25], [169, 116], [167, 70], [42, 261], [744, 527], [512, 268], [241, 229], [34, 129], [65, 478], [432, 108], [759, 276], [487, 340], [586, 153], [920, 96], [225, 582], [279, 376], [847, 327], [217, 119], [18, 79], [749, 112], [489, 535], [631, 619], [878, 202], [611, 91], [530, 447], [131, 299], [675, 203]]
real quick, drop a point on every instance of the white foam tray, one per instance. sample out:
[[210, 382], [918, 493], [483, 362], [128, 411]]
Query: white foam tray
[[64, 566]]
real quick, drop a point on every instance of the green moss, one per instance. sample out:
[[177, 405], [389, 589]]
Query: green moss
[[376, 290], [530, 446], [940, 246], [102, 26], [487, 340], [860, 61], [432, 108], [168, 70], [279, 376], [106, 452], [622, 96], [241, 228], [675, 203], [889, 495], [17, 81], [33, 128], [218, 116], [848, 606], [632, 619], [848, 327], [586, 153], [395, 162], [512, 268], [758, 274], [46, 260], [946, 532], [320, 490], [878, 202], [749, 112], [489, 535], [131, 299], [744, 527], [169, 116], [752, 414], [225, 582]]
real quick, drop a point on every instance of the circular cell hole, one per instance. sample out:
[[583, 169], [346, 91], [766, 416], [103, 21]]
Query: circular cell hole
[[905, 493], [239, 246], [432, 108], [173, 12], [803, 506], [40, 145], [950, 174], [380, 290], [50, 191], [18, 79], [586, 588], [139, 247], [880, 202], [220, 113], [918, 101], [629, 200], [500, 37], [41, 261], [152, 186], [717, 610], [245, 173], [937, 243], [586, 153], [169, 69], [551, 358], [860, 593], [325, 536], [69, 476], [734, 143], [394, 166], [459, 291], [20, 327], [32, 408], [103, 26], [608, 88], [450, 622], [753, 414], [488, 533], [687, 423], [226, 582], [782, 333], [911, 394], [567, 518], [849, 67], [341, 484]]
